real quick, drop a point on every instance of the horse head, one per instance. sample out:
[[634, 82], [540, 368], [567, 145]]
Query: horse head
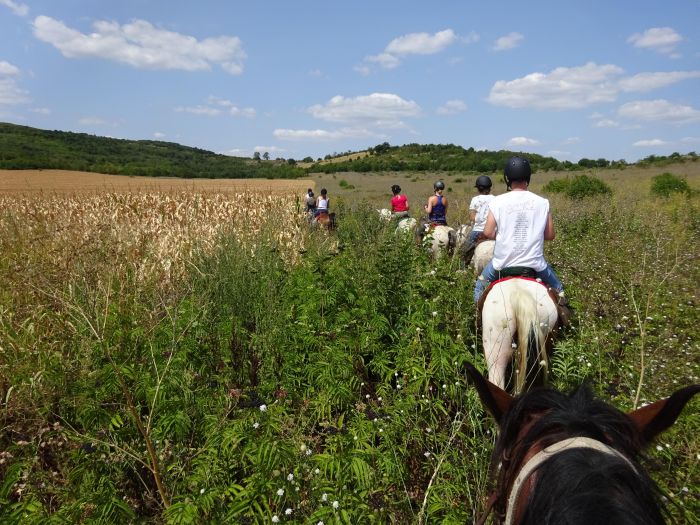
[[572, 458]]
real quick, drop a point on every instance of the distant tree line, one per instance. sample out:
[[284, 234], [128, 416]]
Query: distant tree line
[[23, 147], [449, 157]]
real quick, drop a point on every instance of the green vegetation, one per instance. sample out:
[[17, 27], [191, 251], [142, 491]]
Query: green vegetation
[[449, 157], [22, 147], [666, 184], [578, 187], [332, 388]]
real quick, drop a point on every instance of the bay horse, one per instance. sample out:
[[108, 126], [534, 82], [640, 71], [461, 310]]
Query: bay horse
[[571, 458], [518, 315], [325, 220]]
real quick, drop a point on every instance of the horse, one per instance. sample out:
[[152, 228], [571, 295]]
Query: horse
[[517, 318], [404, 225], [571, 458], [483, 253], [325, 220]]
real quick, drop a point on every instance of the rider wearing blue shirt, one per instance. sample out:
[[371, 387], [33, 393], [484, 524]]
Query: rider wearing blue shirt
[[437, 205]]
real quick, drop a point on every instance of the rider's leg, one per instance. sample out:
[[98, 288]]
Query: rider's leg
[[487, 275], [548, 276]]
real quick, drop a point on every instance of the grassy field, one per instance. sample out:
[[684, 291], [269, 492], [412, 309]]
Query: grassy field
[[175, 355]]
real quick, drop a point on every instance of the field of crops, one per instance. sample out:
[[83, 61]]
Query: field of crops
[[204, 357]]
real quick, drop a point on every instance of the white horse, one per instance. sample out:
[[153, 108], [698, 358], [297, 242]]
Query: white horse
[[517, 318], [403, 226], [483, 253], [438, 239]]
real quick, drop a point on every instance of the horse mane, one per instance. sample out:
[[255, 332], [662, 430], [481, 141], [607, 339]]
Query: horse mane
[[577, 477]]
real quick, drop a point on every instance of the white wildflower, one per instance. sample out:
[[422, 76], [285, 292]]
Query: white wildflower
[[290, 476], [256, 424], [275, 519], [280, 492], [263, 407], [288, 512], [324, 497], [336, 504]]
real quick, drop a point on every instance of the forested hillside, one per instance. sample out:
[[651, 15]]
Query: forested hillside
[[23, 147], [449, 157]]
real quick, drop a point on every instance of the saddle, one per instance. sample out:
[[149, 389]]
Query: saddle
[[522, 272]]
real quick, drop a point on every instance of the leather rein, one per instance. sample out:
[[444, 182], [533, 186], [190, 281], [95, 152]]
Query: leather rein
[[579, 442]]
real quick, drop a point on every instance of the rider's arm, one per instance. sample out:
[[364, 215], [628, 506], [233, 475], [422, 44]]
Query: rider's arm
[[549, 229], [429, 207], [472, 216], [490, 226]]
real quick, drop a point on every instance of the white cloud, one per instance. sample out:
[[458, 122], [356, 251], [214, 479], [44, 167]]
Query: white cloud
[[10, 94], [159, 135], [93, 121], [199, 110], [421, 43], [558, 153], [659, 111], [7, 69], [385, 60], [414, 44], [606, 123], [690, 140], [660, 39], [510, 41], [522, 141], [651, 81], [323, 135], [377, 109], [41, 111], [572, 140], [213, 108], [269, 149], [452, 107], [140, 44], [562, 88], [471, 38], [651, 143], [15, 7]]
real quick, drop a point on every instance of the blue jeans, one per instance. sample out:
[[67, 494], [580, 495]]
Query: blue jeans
[[490, 274], [473, 235]]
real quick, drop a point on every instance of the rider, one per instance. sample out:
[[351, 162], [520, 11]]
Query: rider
[[322, 203], [310, 202], [437, 205], [479, 207], [399, 203], [520, 221]]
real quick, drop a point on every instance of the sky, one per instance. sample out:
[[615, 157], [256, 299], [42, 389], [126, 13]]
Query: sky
[[614, 79]]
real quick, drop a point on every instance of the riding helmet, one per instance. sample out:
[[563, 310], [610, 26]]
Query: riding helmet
[[439, 185], [396, 189], [517, 169], [483, 181]]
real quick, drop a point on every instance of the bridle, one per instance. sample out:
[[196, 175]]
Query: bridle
[[579, 442]]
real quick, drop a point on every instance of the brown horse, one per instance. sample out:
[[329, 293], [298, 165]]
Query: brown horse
[[573, 459], [325, 220]]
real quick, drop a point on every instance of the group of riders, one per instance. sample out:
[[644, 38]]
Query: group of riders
[[518, 220]]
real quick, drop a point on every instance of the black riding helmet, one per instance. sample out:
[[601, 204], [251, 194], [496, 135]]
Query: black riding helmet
[[483, 181], [439, 185], [517, 169], [396, 189]]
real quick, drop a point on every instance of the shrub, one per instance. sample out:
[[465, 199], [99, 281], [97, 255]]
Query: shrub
[[579, 187], [667, 183]]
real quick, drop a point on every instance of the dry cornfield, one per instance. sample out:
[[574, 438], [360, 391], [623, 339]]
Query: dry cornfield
[[154, 234]]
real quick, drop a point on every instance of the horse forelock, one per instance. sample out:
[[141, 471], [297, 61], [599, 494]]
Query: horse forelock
[[543, 417]]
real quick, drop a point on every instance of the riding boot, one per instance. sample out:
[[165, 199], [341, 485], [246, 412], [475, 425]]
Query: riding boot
[[564, 311]]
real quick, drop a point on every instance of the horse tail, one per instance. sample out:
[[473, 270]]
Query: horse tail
[[531, 340]]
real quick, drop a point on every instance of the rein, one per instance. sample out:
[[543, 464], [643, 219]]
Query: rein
[[535, 461], [545, 454]]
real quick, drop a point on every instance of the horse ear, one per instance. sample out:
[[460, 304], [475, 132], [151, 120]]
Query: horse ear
[[653, 419], [495, 399]]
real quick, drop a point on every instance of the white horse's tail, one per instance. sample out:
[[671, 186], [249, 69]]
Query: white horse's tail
[[531, 339]]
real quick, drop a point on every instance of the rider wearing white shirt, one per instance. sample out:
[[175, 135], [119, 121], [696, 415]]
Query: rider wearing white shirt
[[520, 221]]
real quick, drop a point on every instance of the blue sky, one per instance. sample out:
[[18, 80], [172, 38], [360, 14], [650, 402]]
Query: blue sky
[[613, 79]]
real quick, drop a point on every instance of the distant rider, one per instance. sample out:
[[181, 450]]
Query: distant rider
[[399, 203], [479, 207], [310, 203], [322, 203], [437, 205]]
